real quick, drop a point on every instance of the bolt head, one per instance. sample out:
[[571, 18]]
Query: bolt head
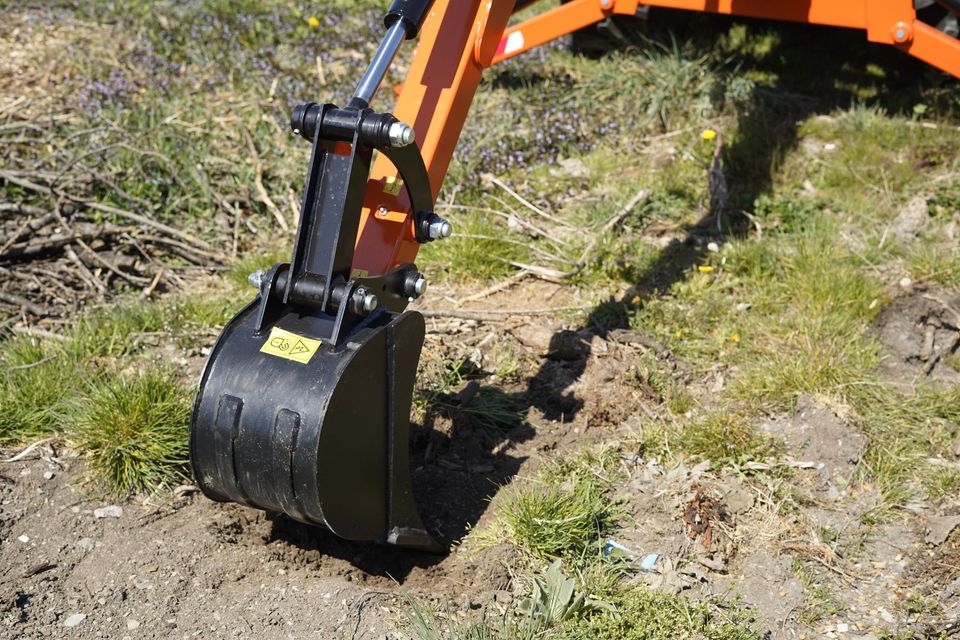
[[901, 34], [256, 279], [440, 229], [419, 286], [401, 134], [370, 302]]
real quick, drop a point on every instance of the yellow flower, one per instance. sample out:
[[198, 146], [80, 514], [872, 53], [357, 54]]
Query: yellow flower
[[735, 337], [705, 268], [635, 300], [679, 334], [313, 21], [708, 134]]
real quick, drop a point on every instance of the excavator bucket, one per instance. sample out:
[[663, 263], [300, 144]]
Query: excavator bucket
[[304, 404], [289, 423]]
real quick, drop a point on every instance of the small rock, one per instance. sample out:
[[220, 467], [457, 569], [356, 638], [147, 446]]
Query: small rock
[[953, 589], [171, 623], [85, 544], [906, 283], [23, 539], [830, 146], [955, 447], [911, 219], [842, 627], [713, 247], [939, 528], [132, 624], [503, 597], [75, 619], [48, 475], [111, 511]]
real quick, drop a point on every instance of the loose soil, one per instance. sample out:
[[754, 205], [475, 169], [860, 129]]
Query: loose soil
[[180, 565]]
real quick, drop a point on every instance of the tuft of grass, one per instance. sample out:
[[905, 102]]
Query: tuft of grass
[[132, 428], [938, 264], [644, 614], [725, 438], [720, 437], [558, 610], [903, 431], [489, 407], [35, 377], [564, 512]]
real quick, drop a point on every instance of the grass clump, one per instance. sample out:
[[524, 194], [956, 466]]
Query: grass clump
[[903, 431], [720, 437], [34, 379], [644, 614], [564, 512], [558, 610], [133, 429]]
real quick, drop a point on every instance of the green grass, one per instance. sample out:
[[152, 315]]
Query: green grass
[[133, 429], [903, 430], [557, 609], [130, 425], [644, 614], [566, 511], [34, 378], [487, 407]]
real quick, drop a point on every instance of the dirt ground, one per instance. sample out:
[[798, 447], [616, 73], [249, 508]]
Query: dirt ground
[[74, 564]]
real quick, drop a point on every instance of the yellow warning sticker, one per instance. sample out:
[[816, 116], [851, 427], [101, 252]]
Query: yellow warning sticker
[[284, 344]]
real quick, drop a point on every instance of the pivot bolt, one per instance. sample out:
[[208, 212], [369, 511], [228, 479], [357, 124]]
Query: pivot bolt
[[419, 286], [902, 32], [256, 279], [440, 229], [401, 134], [415, 285], [363, 302]]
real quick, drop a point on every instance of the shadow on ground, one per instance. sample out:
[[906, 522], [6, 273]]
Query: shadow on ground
[[806, 71]]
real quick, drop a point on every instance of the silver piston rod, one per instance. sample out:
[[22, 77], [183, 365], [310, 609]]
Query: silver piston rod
[[382, 59]]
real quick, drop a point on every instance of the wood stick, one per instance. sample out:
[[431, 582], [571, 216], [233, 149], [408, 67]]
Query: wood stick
[[40, 246], [529, 205], [129, 215], [20, 301], [494, 314]]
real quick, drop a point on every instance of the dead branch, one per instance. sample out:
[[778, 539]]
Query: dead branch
[[22, 302], [129, 215], [258, 181], [494, 314], [529, 205], [39, 246]]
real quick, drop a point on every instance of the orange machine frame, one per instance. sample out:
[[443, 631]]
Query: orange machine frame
[[462, 37]]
